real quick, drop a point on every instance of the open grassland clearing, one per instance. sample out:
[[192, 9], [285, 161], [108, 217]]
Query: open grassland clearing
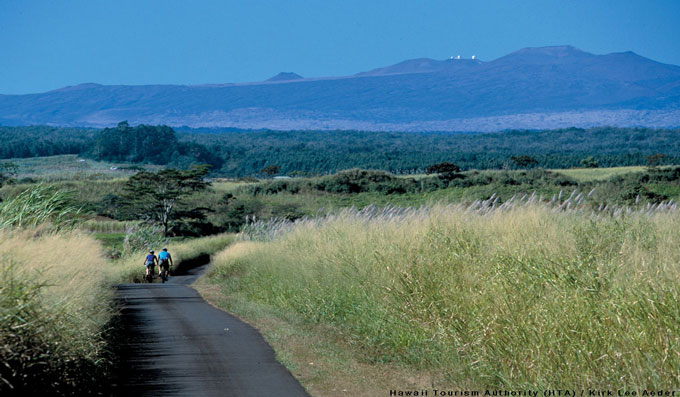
[[71, 166], [224, 185], [524, 296], [598, 174], [87, 193]]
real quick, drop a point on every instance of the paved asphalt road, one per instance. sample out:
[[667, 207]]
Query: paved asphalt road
[[175, 344]]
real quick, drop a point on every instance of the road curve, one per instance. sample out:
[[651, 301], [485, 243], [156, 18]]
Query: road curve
[[173, 343]]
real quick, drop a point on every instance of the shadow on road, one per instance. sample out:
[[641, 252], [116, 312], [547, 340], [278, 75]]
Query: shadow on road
[[186, 266], [171, 342]]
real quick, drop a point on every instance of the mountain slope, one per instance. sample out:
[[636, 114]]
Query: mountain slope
[[544, 87], [285, 76]]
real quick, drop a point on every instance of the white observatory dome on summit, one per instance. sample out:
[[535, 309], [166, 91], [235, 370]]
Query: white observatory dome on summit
[[459, 57]]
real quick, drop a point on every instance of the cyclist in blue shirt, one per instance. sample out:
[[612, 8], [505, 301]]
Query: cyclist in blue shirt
[[150, 261], [165, 261]]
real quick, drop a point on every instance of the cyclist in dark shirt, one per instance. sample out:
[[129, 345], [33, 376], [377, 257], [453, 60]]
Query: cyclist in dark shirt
[[150, 261]]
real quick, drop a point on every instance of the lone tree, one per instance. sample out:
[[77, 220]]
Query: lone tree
[[271, 170], [589, 162], [524, 161], [445, 171], [655, 160], [156, 197], [442, 168]]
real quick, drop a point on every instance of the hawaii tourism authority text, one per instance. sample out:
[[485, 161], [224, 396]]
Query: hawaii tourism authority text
[[536, 393]]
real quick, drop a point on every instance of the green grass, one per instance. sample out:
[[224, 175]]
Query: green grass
[[38, 205], [443, 196], [103, 225], [672, 191], [86, 193], [70, 167], [130, 269], [507, 299], [598, 174], [310, 203], [56, 303], [526, 297], [112, 242], [54, 314], [227, 185]]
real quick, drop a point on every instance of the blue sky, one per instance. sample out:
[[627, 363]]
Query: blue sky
[[46, 45]]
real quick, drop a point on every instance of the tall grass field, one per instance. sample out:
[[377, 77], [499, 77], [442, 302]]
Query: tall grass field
[[526, 295], [131, 268], [57, 308], [54, 308]]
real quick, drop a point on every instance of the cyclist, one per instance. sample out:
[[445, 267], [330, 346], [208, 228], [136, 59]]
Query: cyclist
[[165, 261], [150, 261]]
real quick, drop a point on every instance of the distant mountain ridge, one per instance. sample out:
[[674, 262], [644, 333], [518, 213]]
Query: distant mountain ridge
[[544, 87], [285, 76]]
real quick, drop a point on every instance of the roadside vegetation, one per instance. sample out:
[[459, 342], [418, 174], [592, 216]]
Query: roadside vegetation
[[131, 269], [57, 308], [513, 295], [224, 204], [441, 272], [55, 304]]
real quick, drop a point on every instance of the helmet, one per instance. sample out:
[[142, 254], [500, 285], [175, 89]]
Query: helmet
[[151, 251], [165, 249]]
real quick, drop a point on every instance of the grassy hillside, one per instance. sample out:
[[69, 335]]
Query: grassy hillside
[[598, 174], [71, 166], [518, 297]]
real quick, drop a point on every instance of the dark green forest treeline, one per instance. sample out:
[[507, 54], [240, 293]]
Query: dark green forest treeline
[[37, 141], [244, 153], [149, 144]]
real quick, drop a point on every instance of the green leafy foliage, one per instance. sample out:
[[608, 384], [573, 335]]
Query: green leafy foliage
[[158, 197], [140, 238], [443, 167], [321, 152], [524, 161], [589, 162], [271, 170], [148, 144], [633, 188], [362, 181], [38, 205], [246, 153], [36, 141]]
